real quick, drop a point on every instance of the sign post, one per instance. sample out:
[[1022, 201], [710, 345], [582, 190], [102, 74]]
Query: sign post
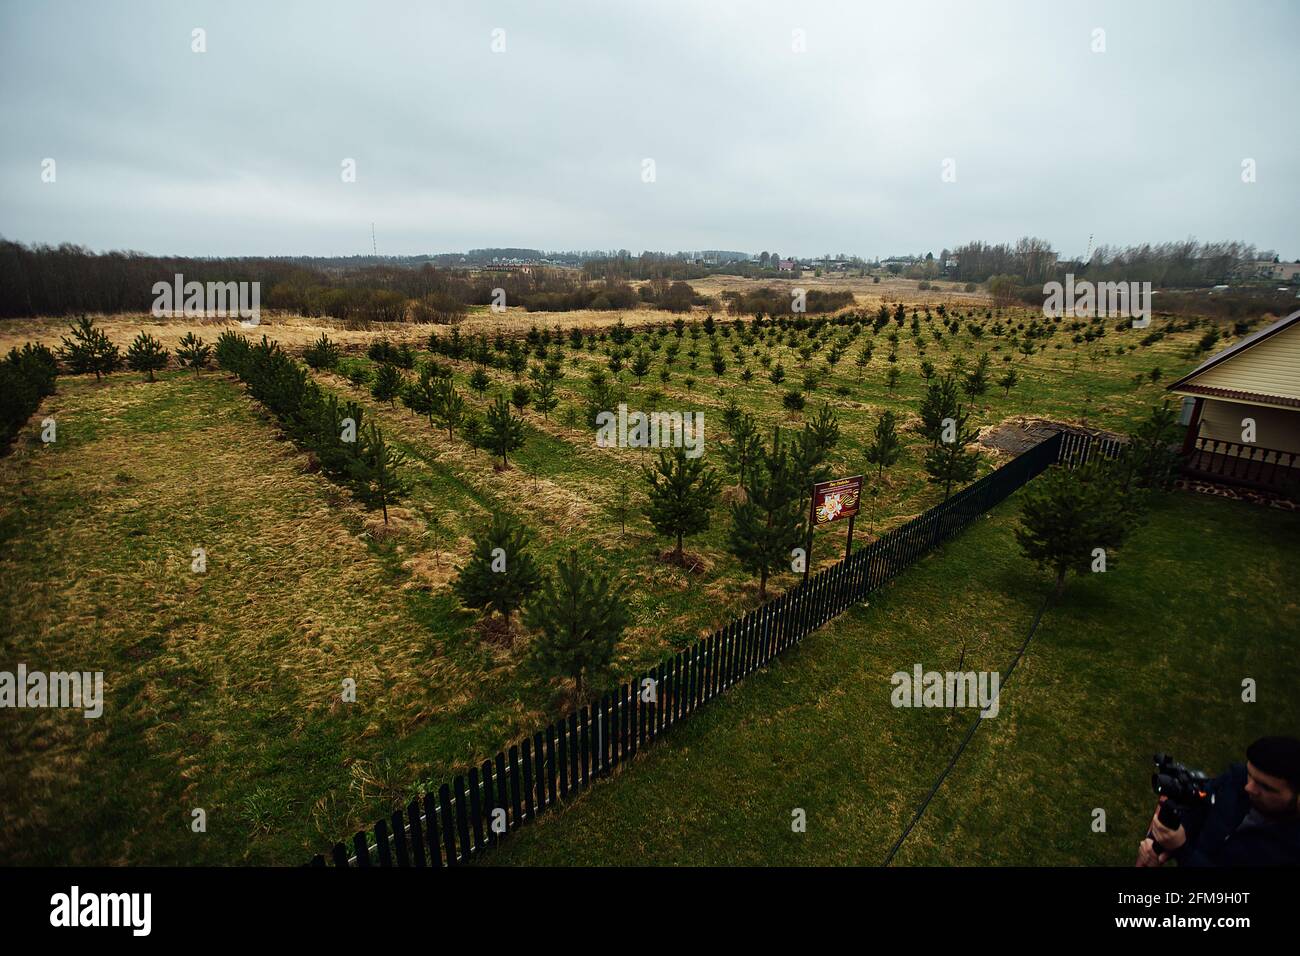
[[833, 501]]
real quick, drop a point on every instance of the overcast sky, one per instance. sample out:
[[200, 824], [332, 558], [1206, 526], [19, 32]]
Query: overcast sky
[[239, 150]]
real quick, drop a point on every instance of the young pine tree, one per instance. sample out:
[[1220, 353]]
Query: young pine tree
[[146, 354], [517, 361], [811, 453], [768, 525], [885, 446], [940, 402], [500, 573], [745, 446], [1068, 514], [479, 381], [949, 462], [640, 365], [388, 382], [621, 505], [89, 350], [976, 382], [419, 396], [505, 432], [581, 618], [448, 405], [322, 354], [545, 399], [682, 491], [193, 352], [521, 396], [380, 462], [1149, 461]]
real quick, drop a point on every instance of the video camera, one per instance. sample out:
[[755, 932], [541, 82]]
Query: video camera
[[1185, 792]]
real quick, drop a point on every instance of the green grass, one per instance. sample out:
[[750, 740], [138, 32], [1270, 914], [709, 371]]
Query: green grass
[[564, 488], [223, 688], [1148, 656]]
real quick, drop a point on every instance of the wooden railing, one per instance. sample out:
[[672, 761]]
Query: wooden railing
[[1242, 464]]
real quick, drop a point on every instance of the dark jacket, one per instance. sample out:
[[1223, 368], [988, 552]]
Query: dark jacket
[[1217, 838]]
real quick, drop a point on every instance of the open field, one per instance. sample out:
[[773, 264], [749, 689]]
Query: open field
[[867, 293], [295, 332], [220, 687], [557, 437], [1147, 657]]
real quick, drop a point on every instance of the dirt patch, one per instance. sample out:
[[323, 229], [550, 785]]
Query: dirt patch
[[401, 522], [435, 570], [1018, 434], [499, 631], [690, 562]]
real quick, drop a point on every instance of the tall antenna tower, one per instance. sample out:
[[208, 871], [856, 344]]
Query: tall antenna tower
[[1088, 258], [374, 249]]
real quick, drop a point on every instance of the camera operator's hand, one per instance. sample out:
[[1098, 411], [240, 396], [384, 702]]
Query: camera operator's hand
[[1147, 855], [1168, 839]]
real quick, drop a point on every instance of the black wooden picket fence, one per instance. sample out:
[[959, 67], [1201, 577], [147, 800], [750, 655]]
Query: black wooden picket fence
[[473, 812]]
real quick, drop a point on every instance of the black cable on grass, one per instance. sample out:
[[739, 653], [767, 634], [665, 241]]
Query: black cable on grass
[[965, 740]]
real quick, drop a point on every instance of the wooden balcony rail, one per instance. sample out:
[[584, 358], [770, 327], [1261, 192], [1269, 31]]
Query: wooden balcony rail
[[1242, 464]]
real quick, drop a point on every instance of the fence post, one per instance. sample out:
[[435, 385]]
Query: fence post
[[381, 842], [448, 830], [431, 830]]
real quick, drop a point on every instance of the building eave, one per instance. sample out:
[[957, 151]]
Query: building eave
[[1248, 342], [1234, 395]]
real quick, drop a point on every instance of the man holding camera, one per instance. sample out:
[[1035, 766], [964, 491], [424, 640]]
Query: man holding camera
[[1252, 816]]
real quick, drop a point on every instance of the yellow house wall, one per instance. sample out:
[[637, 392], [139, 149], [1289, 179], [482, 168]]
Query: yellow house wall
[[1274, 427], [1270, 368]]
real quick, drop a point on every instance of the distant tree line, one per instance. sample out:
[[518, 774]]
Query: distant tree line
[[677, 267], [68, 279], [1031, 262]]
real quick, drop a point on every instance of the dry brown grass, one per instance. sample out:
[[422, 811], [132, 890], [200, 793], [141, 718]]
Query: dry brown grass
[[866, 293], [293, 331], [556, 508], [296, 332], [97, 576]]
